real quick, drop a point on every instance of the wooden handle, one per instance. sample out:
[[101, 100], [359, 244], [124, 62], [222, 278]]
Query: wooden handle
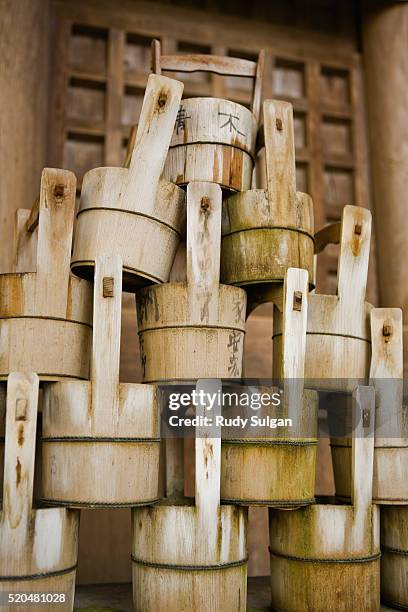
[[21, 425], [55, 226], [24, 243], [387, 373], [280, 161], [257, 89], [154, 131], [156, 56], [217, 64], [354, 255], [362, 448], [130, 146], [294, 322], [330, 234], [208, 457], [106, 344], [204, 203]]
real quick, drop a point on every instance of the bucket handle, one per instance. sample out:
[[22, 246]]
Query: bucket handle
[[387, 364], [354, 235], [105, 361], [204, 203], [280, 161], [154, 131], [47, 230], [208, 459], [19, 454], [295, 303], [362, 449]]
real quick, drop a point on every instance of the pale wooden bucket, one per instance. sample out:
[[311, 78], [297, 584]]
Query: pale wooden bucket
[[38, 547], [285, 462], [194, 329], [101, 427], [213, 139], [326, 557], [45, 312], [266, 231], [394, 556], [390, 483], [132, 211], [191, 557], [338, 343]]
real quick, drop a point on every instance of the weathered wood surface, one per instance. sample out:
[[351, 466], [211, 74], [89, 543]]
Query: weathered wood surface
[[267, 231], [192, 557], [338, 344], [284, 459], [38, 547], [101, 426], [390, 484], [132, 211], [394, 556], [41, 303], [328, 553], [194, 329]]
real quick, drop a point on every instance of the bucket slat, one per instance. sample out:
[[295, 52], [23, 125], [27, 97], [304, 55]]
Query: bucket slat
[[106, 344], [207, 473], [21, 425], [280, 161], [203, 251]]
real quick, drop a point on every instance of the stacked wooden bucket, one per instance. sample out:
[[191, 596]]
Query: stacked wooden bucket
[[188, 178]]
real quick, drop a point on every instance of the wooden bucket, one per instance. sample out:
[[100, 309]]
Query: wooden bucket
[[192, 557], [267, 231], [394, 558], [46, 314], [326, 557], [194, 329], [213, 139], [101, 427], [131, 211], [390, 483], [284, 461], [38, 547], [338, 345]]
